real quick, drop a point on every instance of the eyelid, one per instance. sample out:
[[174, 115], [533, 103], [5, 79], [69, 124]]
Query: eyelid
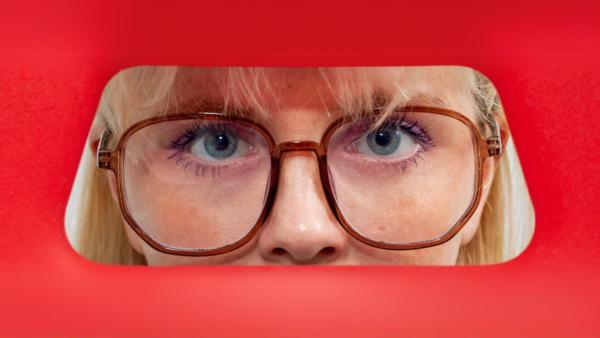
[[256, 142], [358, 130], [371, 124]]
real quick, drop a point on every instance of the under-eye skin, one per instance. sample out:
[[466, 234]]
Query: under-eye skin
[[210, 148], [396, 143]]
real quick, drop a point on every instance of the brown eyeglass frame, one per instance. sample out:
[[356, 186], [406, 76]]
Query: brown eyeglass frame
[[485, 147]]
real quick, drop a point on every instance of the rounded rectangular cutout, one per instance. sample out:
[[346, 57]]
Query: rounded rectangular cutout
[[389, 165]]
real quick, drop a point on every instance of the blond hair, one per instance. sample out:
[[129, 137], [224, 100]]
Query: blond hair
[[506, 224]]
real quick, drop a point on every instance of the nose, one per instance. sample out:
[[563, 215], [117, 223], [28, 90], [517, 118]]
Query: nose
[[301, 228]]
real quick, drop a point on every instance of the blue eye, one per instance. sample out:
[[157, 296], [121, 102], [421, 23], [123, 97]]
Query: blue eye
[[392, 141], [213, 146], [215, 142], [205, 147], [220, 145], [384, 141]]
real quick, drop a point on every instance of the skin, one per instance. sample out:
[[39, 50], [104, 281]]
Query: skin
[[301, 228]]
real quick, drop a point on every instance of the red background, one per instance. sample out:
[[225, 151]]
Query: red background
[[543, 57]]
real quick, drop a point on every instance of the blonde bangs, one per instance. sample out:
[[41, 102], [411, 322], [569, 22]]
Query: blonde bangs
[[353, 92]]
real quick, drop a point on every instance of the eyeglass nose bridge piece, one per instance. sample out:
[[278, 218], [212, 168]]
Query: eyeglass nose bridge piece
[[300, 146]]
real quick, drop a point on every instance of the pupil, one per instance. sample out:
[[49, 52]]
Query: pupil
[[221, 142], [384, 141], [383, 138]]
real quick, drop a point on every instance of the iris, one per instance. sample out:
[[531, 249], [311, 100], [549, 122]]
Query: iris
[[384, 141], [220, 145]]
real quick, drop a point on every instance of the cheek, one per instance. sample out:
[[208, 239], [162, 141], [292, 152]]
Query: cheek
[[185, 210], [469, 229], [444, 254], [246, 255]]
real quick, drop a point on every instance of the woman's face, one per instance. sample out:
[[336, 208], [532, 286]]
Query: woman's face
[[301, 228]]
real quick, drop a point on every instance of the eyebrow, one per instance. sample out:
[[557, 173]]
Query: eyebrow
[[384, 100], [381, 101], [383, 105], [426, 99], [196, 105]]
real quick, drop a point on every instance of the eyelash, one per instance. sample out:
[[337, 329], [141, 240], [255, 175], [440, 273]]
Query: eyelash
[[419, 132], [191, 134]]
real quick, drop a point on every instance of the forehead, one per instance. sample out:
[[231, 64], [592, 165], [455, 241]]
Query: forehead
[[334, 88], [143, 92]]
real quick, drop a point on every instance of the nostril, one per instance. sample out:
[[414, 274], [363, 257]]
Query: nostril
[[327, 251], [278, 251]]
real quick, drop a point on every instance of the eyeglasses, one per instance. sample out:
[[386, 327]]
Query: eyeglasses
[[204, 183]]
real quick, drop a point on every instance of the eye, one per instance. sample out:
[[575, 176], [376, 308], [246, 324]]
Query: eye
[[215, 146], [389, 141]]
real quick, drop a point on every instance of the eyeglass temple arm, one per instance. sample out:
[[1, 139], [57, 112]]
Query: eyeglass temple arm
[[104, 155], [497, 142]]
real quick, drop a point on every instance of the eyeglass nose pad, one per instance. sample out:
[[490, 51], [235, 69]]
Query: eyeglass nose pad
[[328, 187], [271, 190]]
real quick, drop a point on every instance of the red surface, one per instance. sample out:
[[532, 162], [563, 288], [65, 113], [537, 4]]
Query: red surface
[[543, 57]]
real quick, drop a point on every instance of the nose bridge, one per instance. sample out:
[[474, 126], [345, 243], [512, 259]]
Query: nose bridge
[[320, 152], [301, 225]]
